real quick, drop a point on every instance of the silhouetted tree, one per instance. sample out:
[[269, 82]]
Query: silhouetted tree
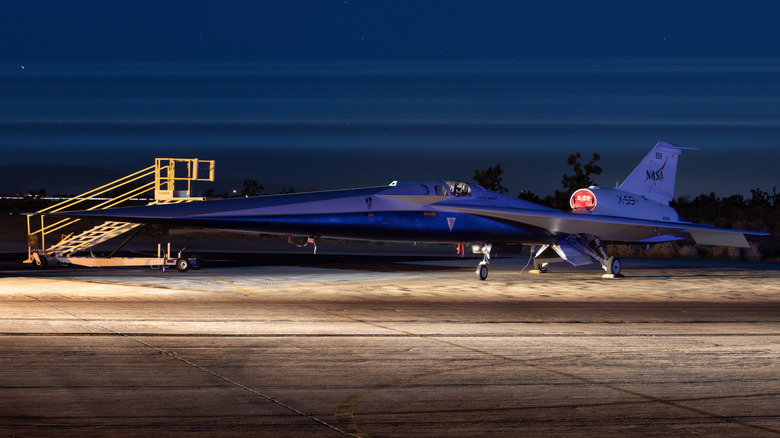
[[581, 177], [490, 179], [528, 195], [760, 198], [252, 188]]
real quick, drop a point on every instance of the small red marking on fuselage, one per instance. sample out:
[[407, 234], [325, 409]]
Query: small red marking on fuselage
[[582, 198]]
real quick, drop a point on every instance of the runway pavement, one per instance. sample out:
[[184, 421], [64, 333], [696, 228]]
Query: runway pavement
[[672, 349]]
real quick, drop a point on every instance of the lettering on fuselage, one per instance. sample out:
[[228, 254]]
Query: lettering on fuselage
[[583, 198], [626, 200], [369, 202]]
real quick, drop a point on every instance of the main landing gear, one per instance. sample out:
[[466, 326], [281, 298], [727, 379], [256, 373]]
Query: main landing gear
[[541, 267], [613, 266], [577, 250]]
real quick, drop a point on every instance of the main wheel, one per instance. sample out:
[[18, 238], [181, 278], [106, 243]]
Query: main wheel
[[183, 264], [195, 262], [482, 272], [613, 265], [541, 267]]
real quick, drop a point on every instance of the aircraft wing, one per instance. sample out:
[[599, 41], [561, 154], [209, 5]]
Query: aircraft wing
[[611, 228]]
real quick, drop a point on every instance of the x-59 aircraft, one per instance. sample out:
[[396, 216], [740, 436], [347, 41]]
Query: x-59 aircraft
[[637, 211]]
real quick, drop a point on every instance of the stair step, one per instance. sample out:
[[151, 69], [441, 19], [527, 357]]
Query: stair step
[[92, 237]]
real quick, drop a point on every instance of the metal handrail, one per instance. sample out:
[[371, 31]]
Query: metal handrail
[[96, 191], [102, 206]]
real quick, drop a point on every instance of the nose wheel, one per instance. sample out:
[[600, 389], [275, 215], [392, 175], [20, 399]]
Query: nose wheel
[[482, 269]]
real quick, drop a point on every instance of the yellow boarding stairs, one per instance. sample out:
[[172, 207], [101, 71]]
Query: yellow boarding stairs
[[90, 238], [169, 187]]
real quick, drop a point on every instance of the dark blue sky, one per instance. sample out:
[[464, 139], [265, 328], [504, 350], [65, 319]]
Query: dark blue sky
[[327, 94], [321, 30]]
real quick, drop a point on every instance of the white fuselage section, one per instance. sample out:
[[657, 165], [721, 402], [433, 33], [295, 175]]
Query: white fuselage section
[[616, 202]]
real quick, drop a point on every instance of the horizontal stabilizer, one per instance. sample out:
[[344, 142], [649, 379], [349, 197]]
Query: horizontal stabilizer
[[720, 238]]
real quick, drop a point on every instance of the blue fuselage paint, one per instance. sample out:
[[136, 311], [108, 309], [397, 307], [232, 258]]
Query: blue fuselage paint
[[410, 211], [389, 226]]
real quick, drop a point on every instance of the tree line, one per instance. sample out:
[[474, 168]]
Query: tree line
[[581, 177], [759, 212]]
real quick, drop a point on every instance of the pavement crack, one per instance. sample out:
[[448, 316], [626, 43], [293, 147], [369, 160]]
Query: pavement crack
[[345, 413], [175, 356]]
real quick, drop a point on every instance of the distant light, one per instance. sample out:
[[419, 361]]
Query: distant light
[[22, 67]]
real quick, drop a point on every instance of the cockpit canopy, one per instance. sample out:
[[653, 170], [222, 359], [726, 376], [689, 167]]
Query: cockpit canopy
[[458, 188], [433, 188]]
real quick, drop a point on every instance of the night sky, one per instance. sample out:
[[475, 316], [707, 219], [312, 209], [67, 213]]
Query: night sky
[[328, 94]]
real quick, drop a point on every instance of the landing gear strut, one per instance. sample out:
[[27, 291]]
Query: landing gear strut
[[482, 269], [611, 264]]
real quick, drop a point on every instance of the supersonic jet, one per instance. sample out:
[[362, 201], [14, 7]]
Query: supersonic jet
[[637, 211]]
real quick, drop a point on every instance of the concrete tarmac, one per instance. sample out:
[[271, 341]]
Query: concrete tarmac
[[669, 350]]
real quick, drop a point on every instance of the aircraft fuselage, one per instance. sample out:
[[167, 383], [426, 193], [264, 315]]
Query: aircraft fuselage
[[411, 211]]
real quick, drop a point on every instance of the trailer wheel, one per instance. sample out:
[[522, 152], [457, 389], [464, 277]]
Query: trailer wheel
[[40, 262], [183, 264]]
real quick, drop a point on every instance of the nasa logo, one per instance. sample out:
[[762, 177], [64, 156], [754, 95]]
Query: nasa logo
[[655, 175], [582, 198]]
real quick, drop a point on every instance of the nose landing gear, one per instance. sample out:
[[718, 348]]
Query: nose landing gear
[[482, 269]]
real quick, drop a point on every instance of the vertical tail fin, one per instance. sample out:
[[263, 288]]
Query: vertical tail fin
[[655, 175]]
